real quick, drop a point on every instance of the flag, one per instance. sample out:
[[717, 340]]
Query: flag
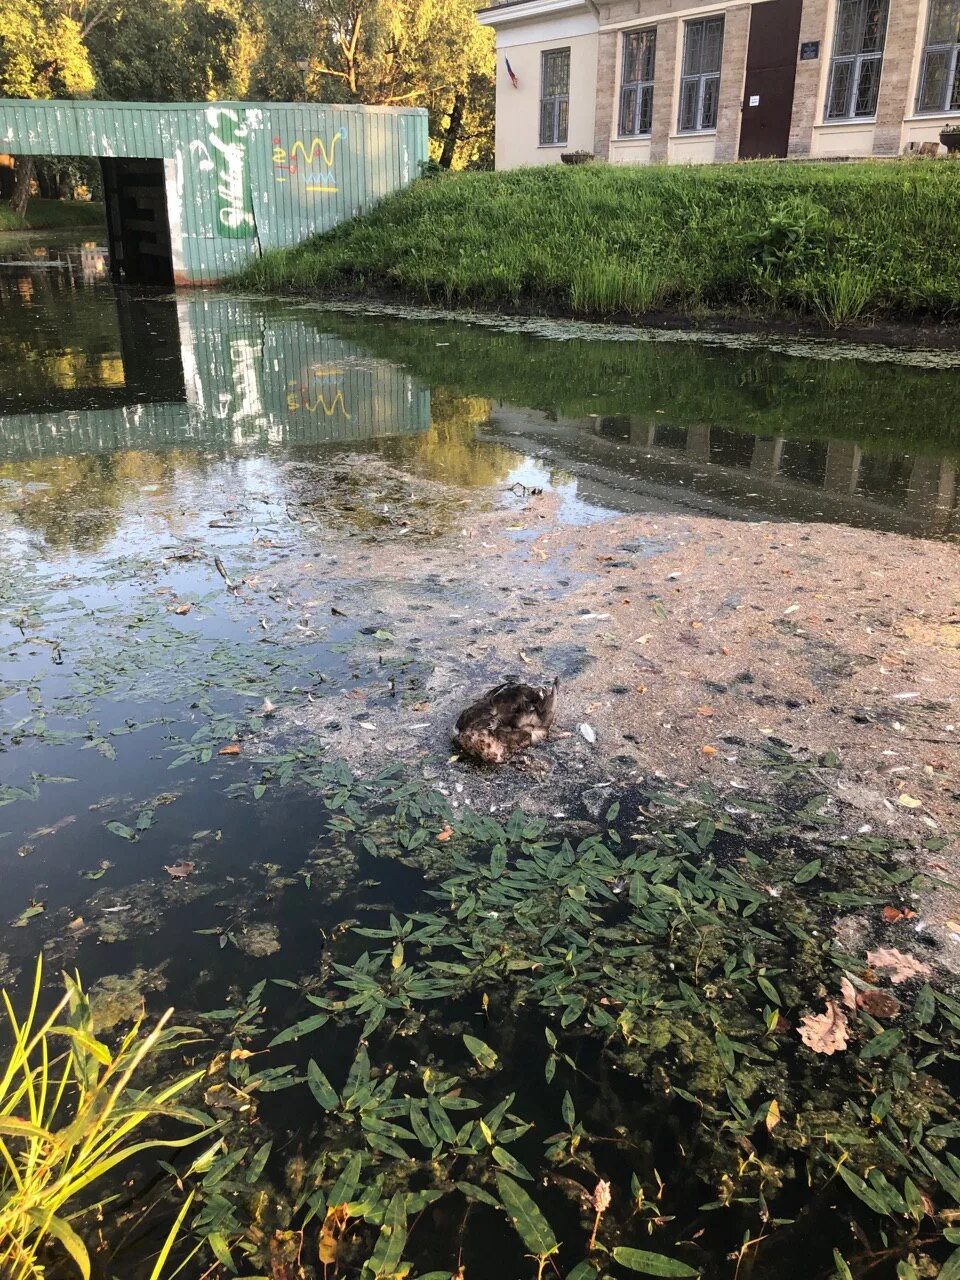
[[510, 72]]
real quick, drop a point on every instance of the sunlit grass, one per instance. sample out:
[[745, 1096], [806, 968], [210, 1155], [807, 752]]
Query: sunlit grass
[[72, 1111], [838, 241], [44, 215]]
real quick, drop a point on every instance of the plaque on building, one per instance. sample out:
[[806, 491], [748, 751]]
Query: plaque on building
[[809, 50]]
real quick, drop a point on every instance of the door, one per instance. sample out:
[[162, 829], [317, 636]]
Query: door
[[768, 85]]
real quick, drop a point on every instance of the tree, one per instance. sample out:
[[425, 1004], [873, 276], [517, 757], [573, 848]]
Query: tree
[[429, 53], [176, 50], [42, 55]]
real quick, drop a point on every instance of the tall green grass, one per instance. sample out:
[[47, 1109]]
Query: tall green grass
[[840, 242], [72, 1111]]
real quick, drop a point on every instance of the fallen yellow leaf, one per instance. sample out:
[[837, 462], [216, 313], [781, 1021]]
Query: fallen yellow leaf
[[708, 751], [773, 1116], [231, 749], [909, 802]]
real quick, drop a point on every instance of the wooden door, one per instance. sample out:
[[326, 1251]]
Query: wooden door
[[768, 85]]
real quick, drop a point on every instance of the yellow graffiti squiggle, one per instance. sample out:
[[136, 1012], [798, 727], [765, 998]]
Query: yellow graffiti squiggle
[[317, 146], [294, 404]]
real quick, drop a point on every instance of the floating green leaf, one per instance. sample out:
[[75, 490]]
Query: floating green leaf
[[530, 1224], [652, 1264], [482, 1052], [321, 1088]]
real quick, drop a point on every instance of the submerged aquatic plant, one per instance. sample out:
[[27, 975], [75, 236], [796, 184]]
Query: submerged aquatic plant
[[70, 1114]]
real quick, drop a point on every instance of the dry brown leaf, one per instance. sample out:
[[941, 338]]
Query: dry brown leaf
[[898, 966], [848, 992], [231, 749], [704, 711], [181, 609], [641, 688], [879, 1004], [893, 914], [773, 1116], [180, 870], [445, 834], [708, 751], [825, 1032]]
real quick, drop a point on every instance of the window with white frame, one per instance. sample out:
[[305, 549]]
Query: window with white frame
[[554, 97], [700, 79], [857, 59], [939, 88], [636, 82]]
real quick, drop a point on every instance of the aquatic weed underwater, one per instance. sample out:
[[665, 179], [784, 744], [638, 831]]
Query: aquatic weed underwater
[[643, 1004]]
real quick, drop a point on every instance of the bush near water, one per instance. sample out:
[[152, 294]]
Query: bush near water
[[837, 241]]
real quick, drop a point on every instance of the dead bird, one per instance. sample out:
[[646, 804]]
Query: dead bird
[[506, 720]]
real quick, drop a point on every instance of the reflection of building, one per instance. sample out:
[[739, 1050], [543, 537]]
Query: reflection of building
[[629, 463], [635, 81], [218, 373]]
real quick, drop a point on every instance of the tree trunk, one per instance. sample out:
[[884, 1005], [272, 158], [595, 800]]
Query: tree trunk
[[46, 185], [21, 187], [452, 136]]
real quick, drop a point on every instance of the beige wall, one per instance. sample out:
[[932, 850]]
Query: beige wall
[[596, 61], [518, 110]]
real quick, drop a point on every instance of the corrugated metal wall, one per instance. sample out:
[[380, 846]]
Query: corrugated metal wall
[[241, 177]]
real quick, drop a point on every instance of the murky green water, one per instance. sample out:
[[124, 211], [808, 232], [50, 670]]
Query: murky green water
[[140, 436]]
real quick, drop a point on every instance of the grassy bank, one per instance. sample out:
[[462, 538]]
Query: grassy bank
[[841, 242], [53, 215]]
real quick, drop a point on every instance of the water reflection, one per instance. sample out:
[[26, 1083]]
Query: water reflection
[[106, 394]]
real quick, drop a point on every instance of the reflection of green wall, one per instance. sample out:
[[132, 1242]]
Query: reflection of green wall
[[251, 381], [886, 406]]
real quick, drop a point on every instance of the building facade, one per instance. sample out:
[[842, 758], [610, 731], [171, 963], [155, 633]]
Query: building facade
[[697, 81]]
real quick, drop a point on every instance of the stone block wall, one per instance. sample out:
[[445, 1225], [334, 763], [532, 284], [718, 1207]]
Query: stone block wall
[[736, 32], [806, 89], [606, 118], [903, 26]]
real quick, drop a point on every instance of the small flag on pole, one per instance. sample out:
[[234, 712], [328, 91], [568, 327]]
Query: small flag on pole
[[510, 72]]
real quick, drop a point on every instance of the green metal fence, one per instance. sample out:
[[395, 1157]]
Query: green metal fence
[[239, 177]]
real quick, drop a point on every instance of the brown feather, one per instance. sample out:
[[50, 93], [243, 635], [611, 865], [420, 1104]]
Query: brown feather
[[507, 719]]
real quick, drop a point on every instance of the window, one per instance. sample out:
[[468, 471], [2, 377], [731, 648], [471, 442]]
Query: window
[[636, 84], [554, 97], [700, 82], [940, 70], [857, 58]]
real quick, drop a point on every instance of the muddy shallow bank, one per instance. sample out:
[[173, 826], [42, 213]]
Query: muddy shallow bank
[[700, 946], [683, 645]]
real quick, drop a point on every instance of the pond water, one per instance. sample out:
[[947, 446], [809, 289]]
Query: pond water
[[143, 435]]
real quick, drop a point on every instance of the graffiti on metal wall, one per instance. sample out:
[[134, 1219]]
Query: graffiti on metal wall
[[302, 398], [315, 161], [225, 154]]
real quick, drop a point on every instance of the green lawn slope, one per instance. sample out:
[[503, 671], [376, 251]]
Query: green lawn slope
[[873, 240]]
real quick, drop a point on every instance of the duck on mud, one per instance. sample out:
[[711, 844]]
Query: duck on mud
[[506, 720]]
